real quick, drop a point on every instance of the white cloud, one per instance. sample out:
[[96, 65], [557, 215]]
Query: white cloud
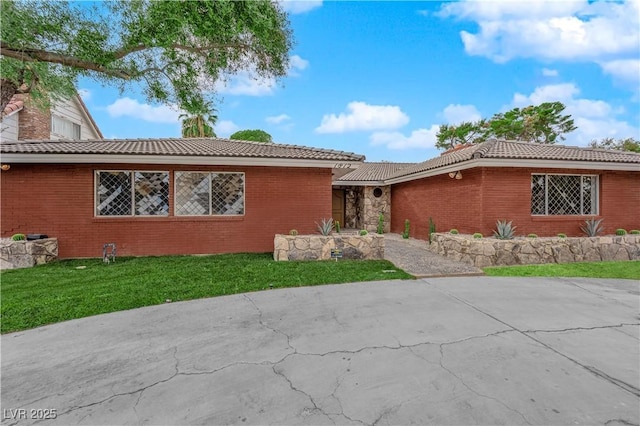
[[420, 138], [362, 116], [547, 72], [594, 118], [601, 32], [85, 94], [243, 83], [127, 107], [300, 6], [296, 63], [627, 70], [225, 128], [277, 119], [456, 113]]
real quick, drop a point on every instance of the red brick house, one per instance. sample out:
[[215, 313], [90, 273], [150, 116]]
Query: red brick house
[[543, 189], [165, 196]]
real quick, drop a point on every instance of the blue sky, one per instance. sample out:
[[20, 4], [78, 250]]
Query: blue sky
[[378, 78]]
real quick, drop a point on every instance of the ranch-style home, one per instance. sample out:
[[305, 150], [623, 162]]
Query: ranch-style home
[[543, 189], [165, 196]]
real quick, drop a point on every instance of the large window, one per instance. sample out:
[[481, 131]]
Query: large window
[[204, 194], [65, 128], [128, 193], [564, 195]]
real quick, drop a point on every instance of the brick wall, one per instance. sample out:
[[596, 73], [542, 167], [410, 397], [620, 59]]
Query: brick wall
[[33, 123], [484, 195], [58, 200]]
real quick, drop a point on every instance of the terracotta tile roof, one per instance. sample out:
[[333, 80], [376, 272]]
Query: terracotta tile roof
[[500, 149], [373, 172], [204, 147], [15, 104]]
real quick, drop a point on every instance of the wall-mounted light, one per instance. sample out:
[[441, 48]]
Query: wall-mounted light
[[456, 175], [5, 167]]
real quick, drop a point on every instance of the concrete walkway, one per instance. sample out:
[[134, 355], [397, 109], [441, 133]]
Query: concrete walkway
[[473, 350], [412, 256]]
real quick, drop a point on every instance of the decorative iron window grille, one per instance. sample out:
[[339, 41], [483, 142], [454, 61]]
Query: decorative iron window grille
[[204, 194], [127, 193], [564, 195]]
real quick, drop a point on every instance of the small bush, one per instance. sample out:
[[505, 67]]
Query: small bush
[[561, 235], [381, 224], [293, 232], [454, 231], [532, 236], [337, 227], [432, 228], [18, 237], [504, 230], [405, 234], [477, 235], [634, 232], [621, 231], [364, 232]]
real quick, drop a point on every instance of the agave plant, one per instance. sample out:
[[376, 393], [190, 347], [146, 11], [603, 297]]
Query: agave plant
[[504, 230], [592, 227], [325, 226]]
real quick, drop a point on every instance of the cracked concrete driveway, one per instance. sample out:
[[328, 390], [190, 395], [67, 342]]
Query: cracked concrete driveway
[[475, 350]]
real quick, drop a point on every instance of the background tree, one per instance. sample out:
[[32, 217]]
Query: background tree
[[176, 50], [252, 135], [544, 123], [628, 144], [200, 124]]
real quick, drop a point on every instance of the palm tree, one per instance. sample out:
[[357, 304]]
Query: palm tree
[[199, 125]]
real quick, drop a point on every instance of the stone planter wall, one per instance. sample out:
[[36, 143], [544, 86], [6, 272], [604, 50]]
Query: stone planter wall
[[25, 254], [483, 252], [318, 247]]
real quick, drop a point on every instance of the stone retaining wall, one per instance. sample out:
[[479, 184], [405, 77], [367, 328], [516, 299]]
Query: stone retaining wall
[[318, 247], [25, 254], [483, 252]]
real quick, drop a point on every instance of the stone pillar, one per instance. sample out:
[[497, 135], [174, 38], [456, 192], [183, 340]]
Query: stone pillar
[[377, 199], [354, 204]]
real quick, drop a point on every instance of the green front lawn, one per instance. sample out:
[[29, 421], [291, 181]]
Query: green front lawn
[[61, 291], [624, 269]]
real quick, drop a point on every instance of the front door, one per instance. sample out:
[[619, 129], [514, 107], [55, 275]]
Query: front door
[[337, 206]]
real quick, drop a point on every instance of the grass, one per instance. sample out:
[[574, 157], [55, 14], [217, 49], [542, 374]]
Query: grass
[[60, 291], [623, 269]]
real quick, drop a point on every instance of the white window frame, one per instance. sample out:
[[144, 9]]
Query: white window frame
[[596, 194], [96, 199], [210, 213], [63, 122]]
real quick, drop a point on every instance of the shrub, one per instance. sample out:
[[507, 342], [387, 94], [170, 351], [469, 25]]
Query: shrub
[[381, 223], [561, 235], [364, 232], [18, 237], [634, 231], [293, 232], [477, 235], [454, 231], [432, 228], [326, 226], [621, 231], [532, 236], [504, 230], [405, 234], [337, 227], [592, 227]]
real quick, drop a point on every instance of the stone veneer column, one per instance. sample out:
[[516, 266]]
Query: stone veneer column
[[373, 206]]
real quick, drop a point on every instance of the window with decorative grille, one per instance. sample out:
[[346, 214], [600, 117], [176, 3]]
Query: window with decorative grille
[[128, 193], [564, 195], [204, 194]]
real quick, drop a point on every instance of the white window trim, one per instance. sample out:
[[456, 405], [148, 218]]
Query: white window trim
[[209, 173], [596, 190], [133, 193]]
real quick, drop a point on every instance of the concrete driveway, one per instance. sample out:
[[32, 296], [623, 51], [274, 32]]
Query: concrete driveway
[[473, 350]]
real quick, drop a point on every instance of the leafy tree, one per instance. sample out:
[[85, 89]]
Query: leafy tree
[[628, 144], [542, 123], [252, 135], [176, 50], [200, 124]]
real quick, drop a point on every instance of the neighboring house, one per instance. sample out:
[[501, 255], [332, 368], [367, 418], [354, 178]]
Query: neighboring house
[[165, 196], [543, 189], [66, 120]]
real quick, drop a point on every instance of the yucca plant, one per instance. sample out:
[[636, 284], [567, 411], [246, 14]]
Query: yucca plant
[[504, 230], [592, 227], [325, 226]]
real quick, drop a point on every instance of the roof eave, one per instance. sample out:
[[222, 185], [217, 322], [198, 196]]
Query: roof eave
[[358, 183]]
